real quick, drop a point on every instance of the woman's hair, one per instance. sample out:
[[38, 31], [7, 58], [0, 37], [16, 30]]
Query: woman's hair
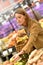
[[23, 12]]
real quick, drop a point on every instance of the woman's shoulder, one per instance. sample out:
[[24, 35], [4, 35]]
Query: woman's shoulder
[[35, 22], [35, 25]]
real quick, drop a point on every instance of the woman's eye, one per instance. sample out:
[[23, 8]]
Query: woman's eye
[[19, 17]]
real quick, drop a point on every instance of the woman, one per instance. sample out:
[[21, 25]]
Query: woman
[[31, 26]]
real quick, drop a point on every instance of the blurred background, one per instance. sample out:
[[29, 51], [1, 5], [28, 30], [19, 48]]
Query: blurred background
[[8, 22]]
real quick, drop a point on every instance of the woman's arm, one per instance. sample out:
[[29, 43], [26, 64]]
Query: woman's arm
[[35, 29]]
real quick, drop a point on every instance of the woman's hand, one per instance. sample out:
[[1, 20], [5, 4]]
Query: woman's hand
[[17, 57]]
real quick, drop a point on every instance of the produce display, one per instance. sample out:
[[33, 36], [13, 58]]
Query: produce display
[[36, 57], [19, 39], [15, 38], [8, 41], [19, 63]]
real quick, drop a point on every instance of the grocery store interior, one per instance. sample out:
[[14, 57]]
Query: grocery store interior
[[13, 36]]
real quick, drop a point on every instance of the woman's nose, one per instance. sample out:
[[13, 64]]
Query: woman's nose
[[18, 20]]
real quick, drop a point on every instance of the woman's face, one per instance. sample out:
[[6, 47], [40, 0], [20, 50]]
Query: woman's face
[[20, 18]]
